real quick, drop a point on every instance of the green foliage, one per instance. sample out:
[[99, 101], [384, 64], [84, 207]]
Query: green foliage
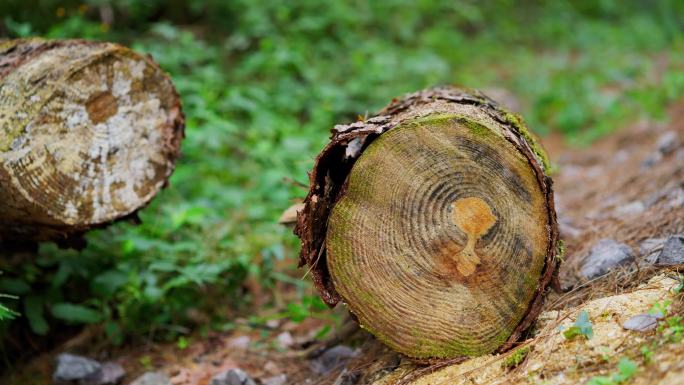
[[661, 308], [647, 353], [182, 343], [310, 306], [673, 328], [626, 369], [5, 312], [75, 313], [582, 327], [263, 81]]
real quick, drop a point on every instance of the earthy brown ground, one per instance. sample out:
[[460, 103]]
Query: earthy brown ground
[[627, 187]]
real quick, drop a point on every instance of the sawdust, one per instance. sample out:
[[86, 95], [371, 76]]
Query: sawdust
[[554, 360]]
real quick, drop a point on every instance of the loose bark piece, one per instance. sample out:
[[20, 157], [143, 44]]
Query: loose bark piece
[[434, 222], [89, 133]]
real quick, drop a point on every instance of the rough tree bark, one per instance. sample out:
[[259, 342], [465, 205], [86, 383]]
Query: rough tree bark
[[89, 133], [434, 222]]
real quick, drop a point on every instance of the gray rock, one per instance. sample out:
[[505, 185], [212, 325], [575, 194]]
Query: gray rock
[[675, 199], [75, 368], [651, 160], [241, 342], [605, 255], [631, 208], [285, 339], [332, 359], [232, 377], [280, 379], [642, 322], [152, 378], [650, 249], [112, 373], [673, 251], [667, 142]]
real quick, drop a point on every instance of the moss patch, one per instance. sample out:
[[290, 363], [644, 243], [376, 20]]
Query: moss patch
[[517, 122], [516, 357]]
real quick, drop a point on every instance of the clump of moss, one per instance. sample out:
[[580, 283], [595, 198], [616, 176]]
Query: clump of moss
[[476, 128], [560, 252], [517, 122], [516, 357]]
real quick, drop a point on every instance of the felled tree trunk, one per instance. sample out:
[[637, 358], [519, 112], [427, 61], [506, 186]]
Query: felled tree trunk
[[434, 222], [89, 133]]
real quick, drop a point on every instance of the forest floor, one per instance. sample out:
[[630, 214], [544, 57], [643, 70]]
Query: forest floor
[[618, 201]]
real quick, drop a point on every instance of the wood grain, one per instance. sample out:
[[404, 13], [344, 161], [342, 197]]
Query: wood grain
[[439, 234], [89, 133]]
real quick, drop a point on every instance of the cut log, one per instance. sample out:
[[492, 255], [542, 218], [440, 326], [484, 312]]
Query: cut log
[[434, 222], [89, 133]]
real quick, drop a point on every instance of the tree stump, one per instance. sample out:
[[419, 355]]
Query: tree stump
[[434, 222], [89, 133]]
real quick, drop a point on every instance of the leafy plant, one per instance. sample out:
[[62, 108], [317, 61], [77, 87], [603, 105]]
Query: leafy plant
[[262, 82], [582, 327], [626, 369], [5, 312], [647, 353], [673, 328], [660, 308]]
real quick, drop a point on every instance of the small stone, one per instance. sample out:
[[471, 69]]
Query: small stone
[[280, 379], [232, 377], [271, 367], [272, 323], [675, 199], [332, 359], [152, 378], [112, 373], [71, 367], [652, 159], [673, 251], [285, 339], [241, 342], [641, 322], [650, 249], [631, 208], [621, 156], [605, 255], [667, 142]]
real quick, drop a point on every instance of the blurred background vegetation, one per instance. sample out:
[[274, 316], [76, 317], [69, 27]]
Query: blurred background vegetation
[[262, 82]]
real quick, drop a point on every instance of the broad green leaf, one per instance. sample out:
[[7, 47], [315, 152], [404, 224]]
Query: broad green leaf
[[33, 307], [75, 313]]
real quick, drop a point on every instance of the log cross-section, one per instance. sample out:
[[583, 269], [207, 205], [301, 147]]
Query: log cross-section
[[89, 133], [434, 222]]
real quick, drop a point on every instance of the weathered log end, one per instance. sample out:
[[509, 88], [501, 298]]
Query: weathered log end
[[89, 133], [434, 222]]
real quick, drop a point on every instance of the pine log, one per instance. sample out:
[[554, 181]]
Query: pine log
[[434, 222], [89, 133]]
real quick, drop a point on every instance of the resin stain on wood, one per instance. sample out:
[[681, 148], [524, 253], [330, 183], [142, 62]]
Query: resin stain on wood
[[474, 217]]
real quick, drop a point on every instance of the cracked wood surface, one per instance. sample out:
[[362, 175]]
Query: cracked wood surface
[[89, 133]]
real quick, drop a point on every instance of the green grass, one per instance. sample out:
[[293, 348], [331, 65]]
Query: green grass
[[263, 82]]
